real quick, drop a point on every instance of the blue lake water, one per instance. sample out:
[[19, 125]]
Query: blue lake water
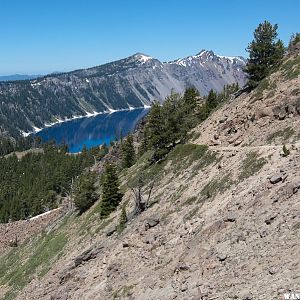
[[93, 131]]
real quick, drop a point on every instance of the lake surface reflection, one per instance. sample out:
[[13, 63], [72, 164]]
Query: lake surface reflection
[[93, 131]]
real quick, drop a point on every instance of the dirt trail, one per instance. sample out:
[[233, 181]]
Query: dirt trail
[[242, 148]]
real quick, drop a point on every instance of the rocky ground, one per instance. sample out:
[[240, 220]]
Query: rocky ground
[[223, 223]]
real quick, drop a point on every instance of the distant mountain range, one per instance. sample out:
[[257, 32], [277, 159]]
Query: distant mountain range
[[135, 81], [15, 77]]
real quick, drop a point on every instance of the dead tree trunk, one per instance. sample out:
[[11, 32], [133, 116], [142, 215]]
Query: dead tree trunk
[[141, 203]]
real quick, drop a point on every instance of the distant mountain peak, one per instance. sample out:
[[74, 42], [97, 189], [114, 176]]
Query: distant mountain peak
[[205, 52], [141, 57]]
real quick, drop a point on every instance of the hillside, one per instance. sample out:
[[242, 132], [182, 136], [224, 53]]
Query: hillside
[[223, 221], [131, 82]]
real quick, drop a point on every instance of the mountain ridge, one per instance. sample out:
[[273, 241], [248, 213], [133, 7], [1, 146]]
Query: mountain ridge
[[16, 77], [134, 81]]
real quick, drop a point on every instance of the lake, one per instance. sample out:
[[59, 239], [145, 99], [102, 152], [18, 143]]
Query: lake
[[93, 131]]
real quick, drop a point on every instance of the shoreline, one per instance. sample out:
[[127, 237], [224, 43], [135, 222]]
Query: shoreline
[[88, 115]]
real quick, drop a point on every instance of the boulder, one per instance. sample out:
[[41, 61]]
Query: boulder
[[276, 178], [290, 109], [182, 267], [237, 142], [297, 106], [279, 112], [111, 231], [230, 218], [222, 256], [281, 116], [223, 120], [87, 255], [151, 222]]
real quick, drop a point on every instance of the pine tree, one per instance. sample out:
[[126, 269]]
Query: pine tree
[[85, 192], [156, 131], [144, 145], [212, 100], [111, 195], [190, 99], [128, 152], [294, 40], [265, 52], [122, 220]]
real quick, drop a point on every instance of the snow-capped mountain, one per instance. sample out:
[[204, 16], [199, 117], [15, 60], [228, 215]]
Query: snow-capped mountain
[[134, 81]]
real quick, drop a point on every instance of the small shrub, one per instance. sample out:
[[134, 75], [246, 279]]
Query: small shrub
[[286, 151], [190, 200], [284, 135], [215, 186], [251, 165]]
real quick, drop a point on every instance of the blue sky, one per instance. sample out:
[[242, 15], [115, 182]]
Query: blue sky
[[42, 36]]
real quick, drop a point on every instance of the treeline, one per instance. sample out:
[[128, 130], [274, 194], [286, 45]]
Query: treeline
[[8, 145], [36, 182], [169, 124]]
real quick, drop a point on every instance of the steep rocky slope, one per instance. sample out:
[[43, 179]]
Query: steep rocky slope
[[224, 221], [131, 82]]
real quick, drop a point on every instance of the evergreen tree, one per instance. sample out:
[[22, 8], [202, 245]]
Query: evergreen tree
[[190, 99], [265, 52], [128, 152], [144, 145], [175, 129], [156, 129], [212, 100], [295, 39], [122, 220], [85, 192], [111, 195]]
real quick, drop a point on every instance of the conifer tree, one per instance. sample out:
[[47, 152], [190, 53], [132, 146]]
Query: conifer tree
[[190, 99], [265, 52], [128, 152], [123, 219], [174, 126], [212, 100], [294, 40], [111, 195], [156, 129], [85, 192]]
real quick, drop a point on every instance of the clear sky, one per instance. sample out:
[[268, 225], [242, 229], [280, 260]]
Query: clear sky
[[42, 36]]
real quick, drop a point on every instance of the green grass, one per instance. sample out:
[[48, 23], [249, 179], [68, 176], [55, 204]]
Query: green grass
[[104, 223], [215, 186], [262, 86], [21, 264], [178, 193], [284, 135], [291, 68], [123, 292], [251, 165], [194, 135], [190, 200], [191, 214], [179, 159]]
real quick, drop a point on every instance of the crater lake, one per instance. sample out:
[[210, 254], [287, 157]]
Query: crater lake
[[93, 130]]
